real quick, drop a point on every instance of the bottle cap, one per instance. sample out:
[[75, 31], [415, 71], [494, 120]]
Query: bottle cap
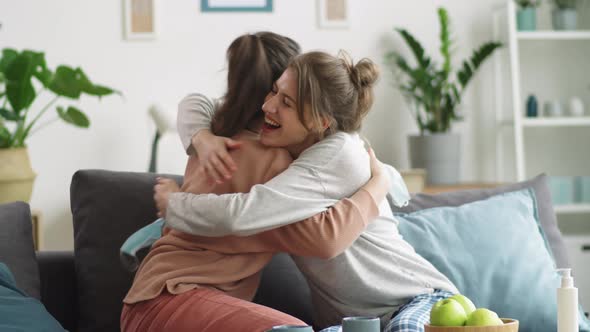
[[566, 277]]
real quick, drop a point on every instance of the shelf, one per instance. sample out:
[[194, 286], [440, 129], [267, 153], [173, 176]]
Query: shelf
[[572, 208], [579, 121], [557, 122], [554, 35]]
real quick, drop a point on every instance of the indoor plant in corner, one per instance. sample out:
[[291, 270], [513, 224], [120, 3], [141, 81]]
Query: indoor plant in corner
[[24, 76], [433, 93]]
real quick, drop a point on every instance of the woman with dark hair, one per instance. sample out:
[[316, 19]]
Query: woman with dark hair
[[205, 284]]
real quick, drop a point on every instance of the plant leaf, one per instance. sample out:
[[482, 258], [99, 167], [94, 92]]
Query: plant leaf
[[4, 137], [90, 88], [19, 88], [8, 115], [8, 55], [73, 116], [65, 82], [416, 47], [479, 55], [445, 40], [40, 70]]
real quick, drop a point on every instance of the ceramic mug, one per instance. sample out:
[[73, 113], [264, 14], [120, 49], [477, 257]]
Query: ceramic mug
[[553, 108], [361, 324], [291, 328]]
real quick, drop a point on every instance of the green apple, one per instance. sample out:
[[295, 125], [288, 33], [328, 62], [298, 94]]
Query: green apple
[[468, 306], [483, 317], [447, 312]]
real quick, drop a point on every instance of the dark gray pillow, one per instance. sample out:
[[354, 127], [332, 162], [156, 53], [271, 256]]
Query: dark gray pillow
[[107, 207], [16, 246], [544, 203]]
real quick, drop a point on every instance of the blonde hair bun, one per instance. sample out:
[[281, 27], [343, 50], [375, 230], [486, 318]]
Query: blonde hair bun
[[365, 73]]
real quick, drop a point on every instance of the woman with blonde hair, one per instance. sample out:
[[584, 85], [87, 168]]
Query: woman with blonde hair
[[316, 108]]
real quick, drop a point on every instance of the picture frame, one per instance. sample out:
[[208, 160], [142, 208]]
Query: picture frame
[[333, 14], [236, 5], [139, 19]]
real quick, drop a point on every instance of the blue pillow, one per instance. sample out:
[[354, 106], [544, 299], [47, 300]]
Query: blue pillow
[[496, 253], [19, 312]]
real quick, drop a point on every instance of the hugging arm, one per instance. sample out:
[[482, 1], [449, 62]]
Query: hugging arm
[[325, 235]]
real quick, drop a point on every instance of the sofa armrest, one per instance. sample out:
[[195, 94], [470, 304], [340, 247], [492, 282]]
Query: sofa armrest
[[58, 286]]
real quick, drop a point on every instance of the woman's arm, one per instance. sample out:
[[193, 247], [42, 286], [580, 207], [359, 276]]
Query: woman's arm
[[195, 113], [299, 192], [325, 235]]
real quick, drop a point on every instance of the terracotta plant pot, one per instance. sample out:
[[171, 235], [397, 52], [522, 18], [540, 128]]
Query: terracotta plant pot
[[16, 175], [510, 325]]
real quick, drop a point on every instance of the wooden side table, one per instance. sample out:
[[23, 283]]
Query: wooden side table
[[36, 223]]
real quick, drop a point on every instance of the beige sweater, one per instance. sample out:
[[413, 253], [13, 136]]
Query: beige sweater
[[180, 262]]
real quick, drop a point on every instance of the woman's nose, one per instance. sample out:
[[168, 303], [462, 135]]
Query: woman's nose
[[270, 105]]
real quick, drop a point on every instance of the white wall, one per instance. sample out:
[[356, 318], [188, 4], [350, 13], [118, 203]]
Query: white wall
[[188, 56]]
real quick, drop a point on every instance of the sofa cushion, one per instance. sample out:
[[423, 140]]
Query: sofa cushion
[[19, 312], [16, 246], [107, 207], [542, 194], [491, 250]]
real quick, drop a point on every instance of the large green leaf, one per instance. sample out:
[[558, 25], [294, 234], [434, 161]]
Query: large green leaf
[[65, 83], [19, 88], [73, 116], [8, 115], [40, 70], [8, 55]]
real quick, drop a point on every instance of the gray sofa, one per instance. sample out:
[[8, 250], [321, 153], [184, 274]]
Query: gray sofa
[[83, 289]]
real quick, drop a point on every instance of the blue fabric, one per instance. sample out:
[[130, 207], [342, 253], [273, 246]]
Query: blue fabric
[[496, 253], [19, 312], [412, 316], [143, 238]]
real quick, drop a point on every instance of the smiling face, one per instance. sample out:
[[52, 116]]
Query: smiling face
[[282, 126]]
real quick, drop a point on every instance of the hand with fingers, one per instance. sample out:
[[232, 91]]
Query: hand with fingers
[[213, 155], [162, 190]]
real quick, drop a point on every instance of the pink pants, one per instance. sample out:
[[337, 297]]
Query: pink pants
[[201, 309]]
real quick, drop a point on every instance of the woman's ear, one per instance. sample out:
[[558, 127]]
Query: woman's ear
[[326, 122]]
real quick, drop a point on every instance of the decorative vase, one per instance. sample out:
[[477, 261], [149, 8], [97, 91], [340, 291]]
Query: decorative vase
[[576, 107], [532, 107], [439, 154], [16, 175], [553, 108], [526, 19], [565, 19]]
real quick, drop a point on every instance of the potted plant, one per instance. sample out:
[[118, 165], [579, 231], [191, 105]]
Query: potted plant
[[564, 15], [526, 16], [24, 76], [433, 92]]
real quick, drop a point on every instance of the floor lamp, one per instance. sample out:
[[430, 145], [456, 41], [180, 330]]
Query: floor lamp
[[164, 122]]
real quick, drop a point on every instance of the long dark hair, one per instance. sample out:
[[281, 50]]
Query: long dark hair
[[255, 61]]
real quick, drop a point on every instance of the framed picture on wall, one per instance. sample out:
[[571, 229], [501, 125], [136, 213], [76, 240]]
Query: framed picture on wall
[[139, 19], [333, 14], [236, 5]]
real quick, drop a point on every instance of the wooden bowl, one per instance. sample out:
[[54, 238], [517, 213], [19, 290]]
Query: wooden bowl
[[510, 325]]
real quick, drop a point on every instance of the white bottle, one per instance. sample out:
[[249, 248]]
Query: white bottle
[[567, 303]]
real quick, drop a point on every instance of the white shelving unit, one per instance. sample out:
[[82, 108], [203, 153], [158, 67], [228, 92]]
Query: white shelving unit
[[505, 30]]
